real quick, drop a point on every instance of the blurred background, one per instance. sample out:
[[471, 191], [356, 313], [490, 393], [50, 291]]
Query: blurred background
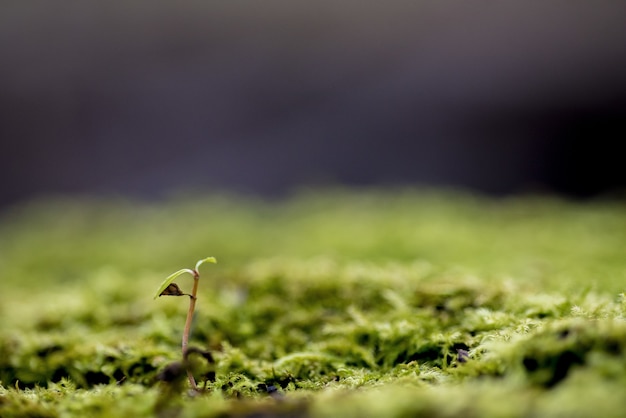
[[151, 97]]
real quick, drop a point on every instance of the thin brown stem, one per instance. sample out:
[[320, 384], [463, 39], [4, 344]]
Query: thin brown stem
[[187, 331]]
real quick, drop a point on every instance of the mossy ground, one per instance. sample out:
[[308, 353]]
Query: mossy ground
[[335, 303]]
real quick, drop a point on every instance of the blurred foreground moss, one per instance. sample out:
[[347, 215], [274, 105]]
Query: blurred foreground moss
[[333, 303]]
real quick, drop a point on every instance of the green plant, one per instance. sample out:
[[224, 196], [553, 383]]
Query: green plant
[[169, 288]]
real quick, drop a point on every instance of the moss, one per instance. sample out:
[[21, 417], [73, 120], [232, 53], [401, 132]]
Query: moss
[[400, 303]]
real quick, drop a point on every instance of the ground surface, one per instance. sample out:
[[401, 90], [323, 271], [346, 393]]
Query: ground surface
[[327, 304]]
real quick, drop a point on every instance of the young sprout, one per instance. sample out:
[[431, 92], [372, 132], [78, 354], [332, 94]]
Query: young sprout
[[169, 288]]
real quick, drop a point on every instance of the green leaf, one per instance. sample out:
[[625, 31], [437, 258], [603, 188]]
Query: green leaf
[[170, 279], [205, 260]]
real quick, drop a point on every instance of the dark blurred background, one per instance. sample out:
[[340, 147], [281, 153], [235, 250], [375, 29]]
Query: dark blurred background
[[148, 97]]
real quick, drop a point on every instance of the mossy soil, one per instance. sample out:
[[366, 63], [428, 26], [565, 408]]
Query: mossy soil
[[330, 303]]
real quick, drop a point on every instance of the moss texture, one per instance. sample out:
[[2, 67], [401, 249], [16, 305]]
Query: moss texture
[[330, 303]]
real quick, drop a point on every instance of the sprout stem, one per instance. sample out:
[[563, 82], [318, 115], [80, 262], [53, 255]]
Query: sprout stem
[[187, 331]]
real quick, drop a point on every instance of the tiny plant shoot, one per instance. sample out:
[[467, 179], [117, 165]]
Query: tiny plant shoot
[[169, 288]]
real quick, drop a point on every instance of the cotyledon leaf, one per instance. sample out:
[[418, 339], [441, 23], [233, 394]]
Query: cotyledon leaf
[[205, 260]]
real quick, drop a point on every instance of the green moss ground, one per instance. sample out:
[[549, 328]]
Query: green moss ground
[[342, 303]]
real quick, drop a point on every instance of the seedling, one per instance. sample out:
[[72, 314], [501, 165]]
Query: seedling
[[169, 288]]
